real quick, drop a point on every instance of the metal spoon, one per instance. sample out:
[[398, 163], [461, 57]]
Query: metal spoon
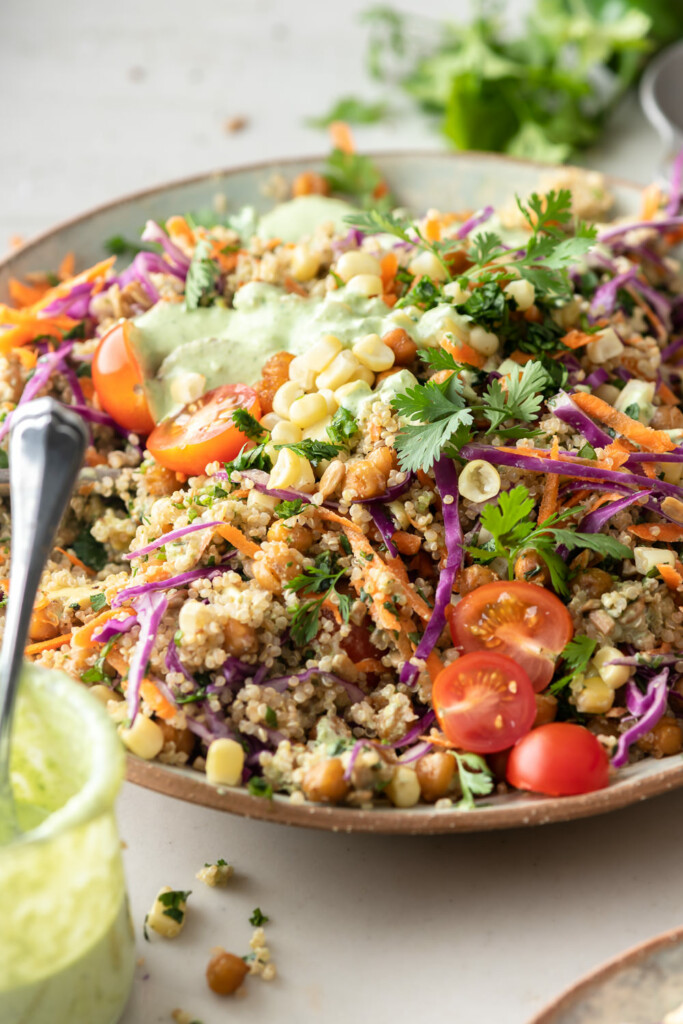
[[661, 90], [46, 448]]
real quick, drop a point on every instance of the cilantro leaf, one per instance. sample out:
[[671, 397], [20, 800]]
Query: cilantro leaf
[[315, 451], [202, 277], [576, 655], [249, 425], [354, 175], [486, 305], [172, 901], [97, 602], [602, 543], [352, 110], [90, 551], [343, 427], [438, 421], [475, 778], [319, 582], [521, 400], [258, 786], [250, 458], [258, 918], [287, 509]]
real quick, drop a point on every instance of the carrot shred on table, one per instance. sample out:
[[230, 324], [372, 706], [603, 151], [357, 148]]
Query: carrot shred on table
[[548, 506], [646, 437], [342, 137], [75, 560], [47, 645], [671, 576], [235, 537], [668, 533]]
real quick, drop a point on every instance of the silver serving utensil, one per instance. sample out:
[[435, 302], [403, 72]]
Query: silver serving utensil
[[661, 90], [46, 448]]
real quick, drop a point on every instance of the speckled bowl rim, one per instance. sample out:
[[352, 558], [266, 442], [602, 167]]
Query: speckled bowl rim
[[514, 810], [631, 958]]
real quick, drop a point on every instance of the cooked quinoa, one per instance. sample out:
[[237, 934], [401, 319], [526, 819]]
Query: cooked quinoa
[[275, 608]]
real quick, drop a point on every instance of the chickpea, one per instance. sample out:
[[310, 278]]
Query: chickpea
[[364, 479], [384, 374], [184, 740], [300, 537], [531, 567], [44, 624], [407, 543], [595, 582], [402, 345], [324, 782], [664, 739], [225, 972], [160, 481], [473, 576], [333, 478], [546, 709], [423, 565], [240, 638], [667, 417], [276, 564], [310, 183], [435, 774], [273, 375]]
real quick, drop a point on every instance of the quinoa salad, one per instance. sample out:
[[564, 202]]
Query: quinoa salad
[[381, 507]]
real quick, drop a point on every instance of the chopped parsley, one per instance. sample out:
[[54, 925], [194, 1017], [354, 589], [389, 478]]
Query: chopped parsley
[[97, 602], [172, 903], [90, 551], [258, 918], [117, 245], [318, 582], [355, 175], [258, 786], [287, 509], [576, 655], [97, 673], [475, 778], [249, 425], [250, 458], [344, 426], [270, 717], [315, 451]]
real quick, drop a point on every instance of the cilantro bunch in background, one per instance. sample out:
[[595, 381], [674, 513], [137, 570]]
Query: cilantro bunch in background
[[541, 89]]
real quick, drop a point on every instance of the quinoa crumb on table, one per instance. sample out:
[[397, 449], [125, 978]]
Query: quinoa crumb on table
[[324, 547]]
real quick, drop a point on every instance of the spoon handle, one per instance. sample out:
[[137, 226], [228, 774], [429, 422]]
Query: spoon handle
[[46, 448]]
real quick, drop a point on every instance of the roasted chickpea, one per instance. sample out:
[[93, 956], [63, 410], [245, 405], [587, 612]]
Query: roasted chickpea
[[225, 972], [664, 739], [300, 537], [667, 417], [44, 624], [386, 373], [273, 375], [595, 582], [473, 576], [364, 479], [240, 638], [435, 774], [531, 568], [324, 782], [546, 709], [384, 459], [184, 740], [402, 345], [407, 543], [310, 183]]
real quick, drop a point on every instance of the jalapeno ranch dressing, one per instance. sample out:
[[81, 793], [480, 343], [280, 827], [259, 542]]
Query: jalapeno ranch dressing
[[66, 940], [227, 346]]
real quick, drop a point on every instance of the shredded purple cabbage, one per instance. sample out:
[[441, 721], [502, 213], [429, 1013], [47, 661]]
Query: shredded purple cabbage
[[150, 610], [474, 222], [597, 377], [178, 261], [203, 573], [649, 706], [168, 538], [391, 493], [568, 412], [260, 481], [64, 305], [416, 731], [355, 751], [671, 349], [595, 521], [174, 664], [114, 627], [653, 225], [604, 300], [45, 367], [384, 525], [447, 483], [415, 752], [674, 204]]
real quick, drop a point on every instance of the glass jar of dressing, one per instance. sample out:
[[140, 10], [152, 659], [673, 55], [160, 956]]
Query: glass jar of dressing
[[66, 939]]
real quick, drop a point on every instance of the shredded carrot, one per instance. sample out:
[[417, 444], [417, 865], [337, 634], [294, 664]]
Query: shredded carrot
[[432, 229], [666, 394], [294, 288], [651, 199], [602, 500], [330, 606], [389, 266], [238, 540], [646, 437], [47, 645], [464, 353], [647, 310], [82, 636], [389, 299], [67, 267], [25, 294], [521, 357], [577, 339], [368, 665], [548, 506], [671, 576], [28, 357], [76, 561], [178, 227], [153, 696], [341, 137], [668, 533]]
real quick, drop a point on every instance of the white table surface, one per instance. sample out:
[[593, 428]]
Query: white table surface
[[102, 98]]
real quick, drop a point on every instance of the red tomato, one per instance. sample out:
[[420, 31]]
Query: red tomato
[[559, 759], [203, 431], [118, 381], [484, 702], [524, 621]]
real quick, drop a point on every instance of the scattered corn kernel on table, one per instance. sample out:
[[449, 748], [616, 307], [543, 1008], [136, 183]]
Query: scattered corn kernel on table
[[484, 927]]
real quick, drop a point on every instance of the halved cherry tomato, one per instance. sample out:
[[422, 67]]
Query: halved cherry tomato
[[559, 759], [203, 431], [522, 620], [118, 381], [484, 702]]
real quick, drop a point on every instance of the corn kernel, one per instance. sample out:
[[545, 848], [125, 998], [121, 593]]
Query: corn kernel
[[523, 292], [269, 420], [350, 264], [426, 263], [479, 481], [292, 470], [637, 393], [188, 388], [305, 264], [365, 375], [606, 346], [369, 285], [285, 432], [320, 355], [340, 370], [614, 675], [144, 738], [594, 697], [318, 432], [160, 921], [333, 404], [104, 693], [373, 353], [224, 762], [456, 292], [404, 788], [308, 410], [483, 341], [261, 502], [647, 558], [284, 396], [302, 374]]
